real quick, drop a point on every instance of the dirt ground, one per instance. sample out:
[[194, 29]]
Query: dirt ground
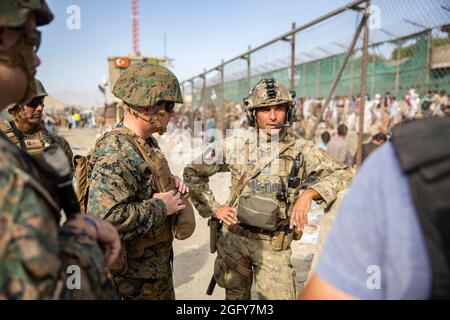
[[193, 262]]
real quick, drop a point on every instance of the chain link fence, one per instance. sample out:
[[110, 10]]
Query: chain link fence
[[408, 55]]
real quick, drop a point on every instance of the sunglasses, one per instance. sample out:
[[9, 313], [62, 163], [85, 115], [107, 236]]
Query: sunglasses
[[36, 103], [168, 105]]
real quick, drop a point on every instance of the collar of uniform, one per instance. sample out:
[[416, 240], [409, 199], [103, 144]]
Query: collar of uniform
[[151, 141], [33, 132]]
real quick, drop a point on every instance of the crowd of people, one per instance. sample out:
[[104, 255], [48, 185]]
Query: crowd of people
[[337, 131]]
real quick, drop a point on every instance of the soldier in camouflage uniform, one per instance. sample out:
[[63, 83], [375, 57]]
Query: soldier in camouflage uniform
[[265, 213], [27, 130], [34, 251], [122, 187]]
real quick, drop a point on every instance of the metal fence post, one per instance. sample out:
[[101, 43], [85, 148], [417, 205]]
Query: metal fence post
[[363, 87]]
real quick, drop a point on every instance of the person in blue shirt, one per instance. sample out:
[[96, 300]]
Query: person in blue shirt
[[376, 248]]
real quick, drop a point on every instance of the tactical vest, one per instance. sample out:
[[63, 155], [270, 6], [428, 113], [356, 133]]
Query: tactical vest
[[423, 148], [30, 171], [34, 144], [267, 199], [180, 226]]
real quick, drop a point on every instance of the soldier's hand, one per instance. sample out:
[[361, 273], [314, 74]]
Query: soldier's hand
[[299, 215], [173, 201], [227, 215], [101, 230], [109, 240], [180, 186]]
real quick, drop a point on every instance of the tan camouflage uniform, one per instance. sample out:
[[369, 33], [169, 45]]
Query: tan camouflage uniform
[[35, 142], [267, 253], [34, 251]]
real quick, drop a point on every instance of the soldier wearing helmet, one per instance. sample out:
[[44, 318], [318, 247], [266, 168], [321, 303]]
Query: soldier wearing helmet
[[27, 131], [126, 165], [35, 251], [269, 200]]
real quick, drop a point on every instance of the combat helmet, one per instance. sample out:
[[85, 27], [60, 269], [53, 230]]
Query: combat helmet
[[40, 92], [14, 14], [145, 84], [269, 92]]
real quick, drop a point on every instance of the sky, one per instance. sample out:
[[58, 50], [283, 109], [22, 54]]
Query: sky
[[199, 34]]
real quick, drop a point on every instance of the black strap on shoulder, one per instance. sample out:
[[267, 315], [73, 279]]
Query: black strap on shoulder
[[423, 148], [19, 135]]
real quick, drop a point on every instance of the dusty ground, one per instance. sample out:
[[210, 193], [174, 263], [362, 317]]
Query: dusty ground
[[193, 263]]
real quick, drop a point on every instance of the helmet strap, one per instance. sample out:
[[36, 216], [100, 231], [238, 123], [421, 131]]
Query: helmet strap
[[154, 119]]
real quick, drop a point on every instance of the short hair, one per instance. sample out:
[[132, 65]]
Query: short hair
[[342, 130], [380, 137], [325, 136]]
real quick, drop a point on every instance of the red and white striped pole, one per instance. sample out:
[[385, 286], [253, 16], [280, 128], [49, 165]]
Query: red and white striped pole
[[135, 25]]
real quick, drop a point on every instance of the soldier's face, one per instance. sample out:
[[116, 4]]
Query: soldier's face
[[33, 111], [268, 117], [13, 78]]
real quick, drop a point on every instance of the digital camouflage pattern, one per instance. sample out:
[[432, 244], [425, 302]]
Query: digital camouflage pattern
[[258, 97], [120, 191], [237, 154], [155, 275], [34, 251], [145, 84], [15, 13]]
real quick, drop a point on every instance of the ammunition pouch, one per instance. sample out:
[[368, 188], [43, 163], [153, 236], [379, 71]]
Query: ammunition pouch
[[183, 223], [120, 265], [282, 239], [259, 209], [134, 249]]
